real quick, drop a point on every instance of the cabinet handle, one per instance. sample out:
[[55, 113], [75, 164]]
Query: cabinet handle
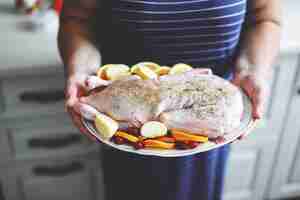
[[42, 97], [298, 91], [62, 170], [54, 143]]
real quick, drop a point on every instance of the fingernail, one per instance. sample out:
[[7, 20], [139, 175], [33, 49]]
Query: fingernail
[[257, 115]]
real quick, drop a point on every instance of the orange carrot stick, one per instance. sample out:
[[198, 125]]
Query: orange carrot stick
[[127, 136], [182, 136], [150, 143], [166, 139]]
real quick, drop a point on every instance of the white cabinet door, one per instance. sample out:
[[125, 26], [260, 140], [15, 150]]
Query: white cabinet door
[[62, 179], [248, 168], [251, 161], [285, 181]]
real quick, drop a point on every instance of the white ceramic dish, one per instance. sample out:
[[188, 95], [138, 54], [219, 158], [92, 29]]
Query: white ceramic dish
[[247, 124]]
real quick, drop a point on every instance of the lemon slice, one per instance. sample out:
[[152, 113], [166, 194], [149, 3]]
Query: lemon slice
[[180, 68], [153, 129], [116, 72], [106, 126], [146, 73], [163, 70], [134, 68], [151, 65]]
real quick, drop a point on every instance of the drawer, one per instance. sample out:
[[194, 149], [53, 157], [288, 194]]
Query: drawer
[[47, 137], [32, 95], [60, 179]]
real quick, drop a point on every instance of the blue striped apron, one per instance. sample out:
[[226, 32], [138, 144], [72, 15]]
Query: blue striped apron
[[203, 33]]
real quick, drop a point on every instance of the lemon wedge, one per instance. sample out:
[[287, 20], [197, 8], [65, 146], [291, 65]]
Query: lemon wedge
[[106, 126], [180, 68], [153, 129], [151, 65], [146, 73], [134, 68], [101, 71], [163, 70], [116, 72]]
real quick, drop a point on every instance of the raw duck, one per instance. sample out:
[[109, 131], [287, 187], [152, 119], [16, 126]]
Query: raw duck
[[195, 101]]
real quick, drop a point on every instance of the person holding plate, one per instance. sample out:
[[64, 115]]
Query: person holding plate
[[237, 39]]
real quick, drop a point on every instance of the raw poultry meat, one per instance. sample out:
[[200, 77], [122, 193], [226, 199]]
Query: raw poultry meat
[[194, 102]]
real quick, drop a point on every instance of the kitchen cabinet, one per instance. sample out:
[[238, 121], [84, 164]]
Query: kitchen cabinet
[[286, 175], [32, 95], [43, 156], [46, 137], [61, 179], [34, 138], [250, 163]]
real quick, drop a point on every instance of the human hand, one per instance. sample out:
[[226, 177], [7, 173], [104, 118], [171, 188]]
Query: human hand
[[75, 88], [255, 85]]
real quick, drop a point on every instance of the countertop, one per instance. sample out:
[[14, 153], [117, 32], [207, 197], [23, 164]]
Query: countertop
[[23, 51]]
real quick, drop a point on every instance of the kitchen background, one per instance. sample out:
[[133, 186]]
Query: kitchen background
[[42, 156]]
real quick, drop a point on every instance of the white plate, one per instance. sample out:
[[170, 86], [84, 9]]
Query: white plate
[[247, 124]]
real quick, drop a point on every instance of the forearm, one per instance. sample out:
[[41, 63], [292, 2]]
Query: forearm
[[76, 42], [261, 41]]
